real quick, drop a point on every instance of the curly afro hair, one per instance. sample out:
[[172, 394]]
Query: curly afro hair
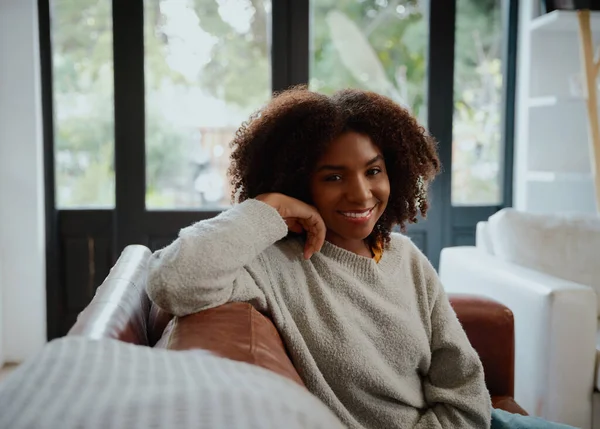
[[277, 149]]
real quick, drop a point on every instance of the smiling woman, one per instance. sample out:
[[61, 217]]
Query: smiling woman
[[318, 149], [310, 243], [144, 97], [350, 189]]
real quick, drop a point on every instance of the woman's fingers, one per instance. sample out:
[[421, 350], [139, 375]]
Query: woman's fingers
[[294, 225], [299, 217], [315, 234], [315, 230]]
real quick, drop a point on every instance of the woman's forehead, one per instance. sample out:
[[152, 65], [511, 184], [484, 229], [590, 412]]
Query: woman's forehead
[[350, 147]]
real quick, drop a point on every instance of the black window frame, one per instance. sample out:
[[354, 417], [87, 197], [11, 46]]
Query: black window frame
[[129, 221]]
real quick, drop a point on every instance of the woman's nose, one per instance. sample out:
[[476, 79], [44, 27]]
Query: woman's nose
[[359, 191]]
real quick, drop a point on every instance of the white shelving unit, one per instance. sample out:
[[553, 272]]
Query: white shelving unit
[[552, 150], [559, 21]]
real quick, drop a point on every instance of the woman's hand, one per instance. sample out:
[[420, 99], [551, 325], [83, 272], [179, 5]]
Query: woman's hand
[[299, 217]]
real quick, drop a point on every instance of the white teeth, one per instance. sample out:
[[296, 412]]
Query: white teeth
[[357, 215]]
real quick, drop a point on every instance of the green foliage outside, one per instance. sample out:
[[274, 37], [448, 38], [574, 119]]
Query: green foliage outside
[[239, 73]]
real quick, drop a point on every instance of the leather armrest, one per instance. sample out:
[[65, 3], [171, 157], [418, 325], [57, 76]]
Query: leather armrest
[[235, 331], [507, 403], [489, 326], [120, 307], [158, 319]]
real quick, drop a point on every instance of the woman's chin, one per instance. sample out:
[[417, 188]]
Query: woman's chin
[[355, 233]]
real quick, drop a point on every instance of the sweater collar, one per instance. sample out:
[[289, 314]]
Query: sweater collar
[[361, 266]]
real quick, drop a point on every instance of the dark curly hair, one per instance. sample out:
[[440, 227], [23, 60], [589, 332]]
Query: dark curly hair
[[277, 149]]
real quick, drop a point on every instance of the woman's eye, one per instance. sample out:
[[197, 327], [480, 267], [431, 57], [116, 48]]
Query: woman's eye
[[333, 178], [374, 171]]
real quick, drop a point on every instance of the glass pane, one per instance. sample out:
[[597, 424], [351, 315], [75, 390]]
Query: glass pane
[[476, 145], [207, 69], [378, 45], [82, 78]]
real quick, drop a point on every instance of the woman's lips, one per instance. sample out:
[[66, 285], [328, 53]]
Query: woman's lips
[[357, 216]]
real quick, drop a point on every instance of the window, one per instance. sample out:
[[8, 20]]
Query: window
[[477, 131], [376, 45], [82, 70], [207, 68]]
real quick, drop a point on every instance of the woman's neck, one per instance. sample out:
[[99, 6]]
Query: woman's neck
[[360, 247]]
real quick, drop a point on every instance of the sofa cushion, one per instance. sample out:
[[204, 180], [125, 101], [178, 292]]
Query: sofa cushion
[[483, 241], [235, 331], [562, 245]]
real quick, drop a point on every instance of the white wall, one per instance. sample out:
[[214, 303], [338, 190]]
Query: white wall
[[22, 254]]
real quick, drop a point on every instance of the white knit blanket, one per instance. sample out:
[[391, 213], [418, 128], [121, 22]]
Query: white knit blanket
[[80, 383]]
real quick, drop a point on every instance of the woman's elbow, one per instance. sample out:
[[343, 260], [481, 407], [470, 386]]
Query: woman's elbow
[[163, 290], [162, 295], [177, 299]]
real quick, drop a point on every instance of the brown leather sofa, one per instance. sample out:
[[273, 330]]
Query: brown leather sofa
[[122, 310]]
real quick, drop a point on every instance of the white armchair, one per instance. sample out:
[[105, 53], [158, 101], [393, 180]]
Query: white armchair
[[527, 263]]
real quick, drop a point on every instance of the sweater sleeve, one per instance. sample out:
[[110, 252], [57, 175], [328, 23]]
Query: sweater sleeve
[[454, 387], [214, 261]]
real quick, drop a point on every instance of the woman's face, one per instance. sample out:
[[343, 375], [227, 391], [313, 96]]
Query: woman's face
[[350, 188]]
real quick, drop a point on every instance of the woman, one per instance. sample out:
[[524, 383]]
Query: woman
[[321, 181]]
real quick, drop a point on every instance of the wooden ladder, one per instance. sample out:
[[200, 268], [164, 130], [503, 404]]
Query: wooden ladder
[[591, 66]]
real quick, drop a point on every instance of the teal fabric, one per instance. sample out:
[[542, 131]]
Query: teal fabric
[[504, 420]]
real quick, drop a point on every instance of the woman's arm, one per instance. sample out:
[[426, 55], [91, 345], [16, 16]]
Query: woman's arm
[[217, 260], [204, 265], [454, 386]]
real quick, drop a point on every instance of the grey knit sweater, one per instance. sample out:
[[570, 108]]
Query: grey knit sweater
[[377, 342]]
